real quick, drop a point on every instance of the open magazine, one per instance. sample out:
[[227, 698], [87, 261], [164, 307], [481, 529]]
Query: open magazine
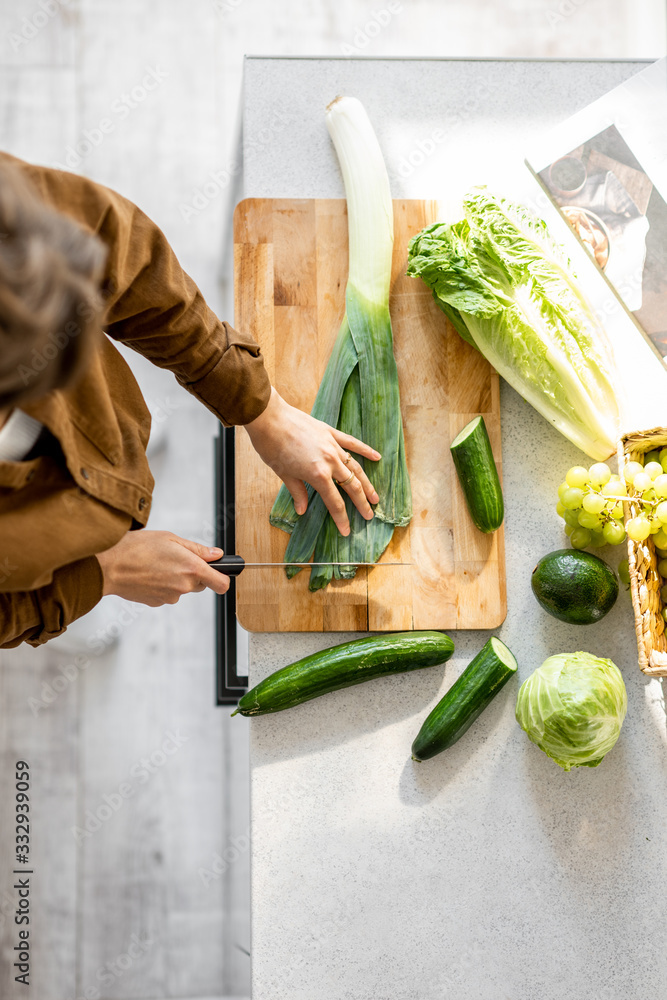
[[606, 171]]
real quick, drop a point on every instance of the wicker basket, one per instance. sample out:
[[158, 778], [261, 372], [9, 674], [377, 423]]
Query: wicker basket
[[645, 581]]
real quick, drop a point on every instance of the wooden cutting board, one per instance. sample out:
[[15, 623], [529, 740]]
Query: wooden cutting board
[[290, 264]]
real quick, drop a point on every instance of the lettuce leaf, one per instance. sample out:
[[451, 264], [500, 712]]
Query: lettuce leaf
[[506, 287]]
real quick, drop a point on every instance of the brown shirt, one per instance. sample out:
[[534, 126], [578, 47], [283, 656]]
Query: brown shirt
[[58, 510]]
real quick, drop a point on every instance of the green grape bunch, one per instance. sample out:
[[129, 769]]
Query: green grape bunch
[[590, 501]]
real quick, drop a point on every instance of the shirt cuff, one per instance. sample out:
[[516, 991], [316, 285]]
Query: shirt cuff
[[73, 592], [237, 389]]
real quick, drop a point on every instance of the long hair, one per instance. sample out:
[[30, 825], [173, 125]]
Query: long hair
[[50, 304]]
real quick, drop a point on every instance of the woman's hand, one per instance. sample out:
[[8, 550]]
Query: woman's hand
[[298, 447], [156, 567]]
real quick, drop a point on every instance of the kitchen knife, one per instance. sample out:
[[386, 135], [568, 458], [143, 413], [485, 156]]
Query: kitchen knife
[[233, 565]]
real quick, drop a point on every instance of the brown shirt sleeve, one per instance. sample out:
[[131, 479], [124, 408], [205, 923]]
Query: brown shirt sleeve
[[153, 306], [156, 308], [35, 616]]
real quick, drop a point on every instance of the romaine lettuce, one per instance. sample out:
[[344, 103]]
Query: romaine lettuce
[[506, 287]]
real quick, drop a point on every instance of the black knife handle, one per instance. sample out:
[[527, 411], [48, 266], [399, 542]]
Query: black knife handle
[[229, 565]]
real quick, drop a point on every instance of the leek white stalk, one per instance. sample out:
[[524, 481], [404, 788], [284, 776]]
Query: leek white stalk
[[369, 205]]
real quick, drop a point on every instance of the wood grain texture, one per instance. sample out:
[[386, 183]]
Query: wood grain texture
[[291, 266]]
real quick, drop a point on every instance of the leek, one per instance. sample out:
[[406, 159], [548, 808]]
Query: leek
[[359, 391]]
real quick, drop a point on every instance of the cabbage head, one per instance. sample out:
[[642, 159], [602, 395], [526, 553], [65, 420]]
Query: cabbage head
[[573, 708]]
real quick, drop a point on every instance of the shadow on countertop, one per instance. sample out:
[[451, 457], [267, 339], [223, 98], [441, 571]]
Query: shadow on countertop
[[341, 717]]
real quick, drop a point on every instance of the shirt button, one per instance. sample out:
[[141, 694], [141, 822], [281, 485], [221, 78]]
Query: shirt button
[[85, 473], [142, 503]]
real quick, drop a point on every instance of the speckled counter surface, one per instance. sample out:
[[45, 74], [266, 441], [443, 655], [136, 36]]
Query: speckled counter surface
[[486, 873]]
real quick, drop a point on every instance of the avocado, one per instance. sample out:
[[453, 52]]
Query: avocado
[[575, 586]]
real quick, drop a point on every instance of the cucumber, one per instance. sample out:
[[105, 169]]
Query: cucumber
[[467, 698], [341, 666], [478, 475]]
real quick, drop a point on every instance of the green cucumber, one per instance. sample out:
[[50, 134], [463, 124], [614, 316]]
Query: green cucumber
[[341, 666], [478, 475], [467, 698]]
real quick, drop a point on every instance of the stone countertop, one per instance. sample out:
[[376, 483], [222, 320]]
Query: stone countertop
[[486, 873]]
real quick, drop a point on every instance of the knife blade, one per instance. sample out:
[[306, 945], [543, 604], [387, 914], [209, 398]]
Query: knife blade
[[232, 565]]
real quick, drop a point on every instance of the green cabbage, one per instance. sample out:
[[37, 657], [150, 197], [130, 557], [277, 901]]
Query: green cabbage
[[573, 708], [506, 287]]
